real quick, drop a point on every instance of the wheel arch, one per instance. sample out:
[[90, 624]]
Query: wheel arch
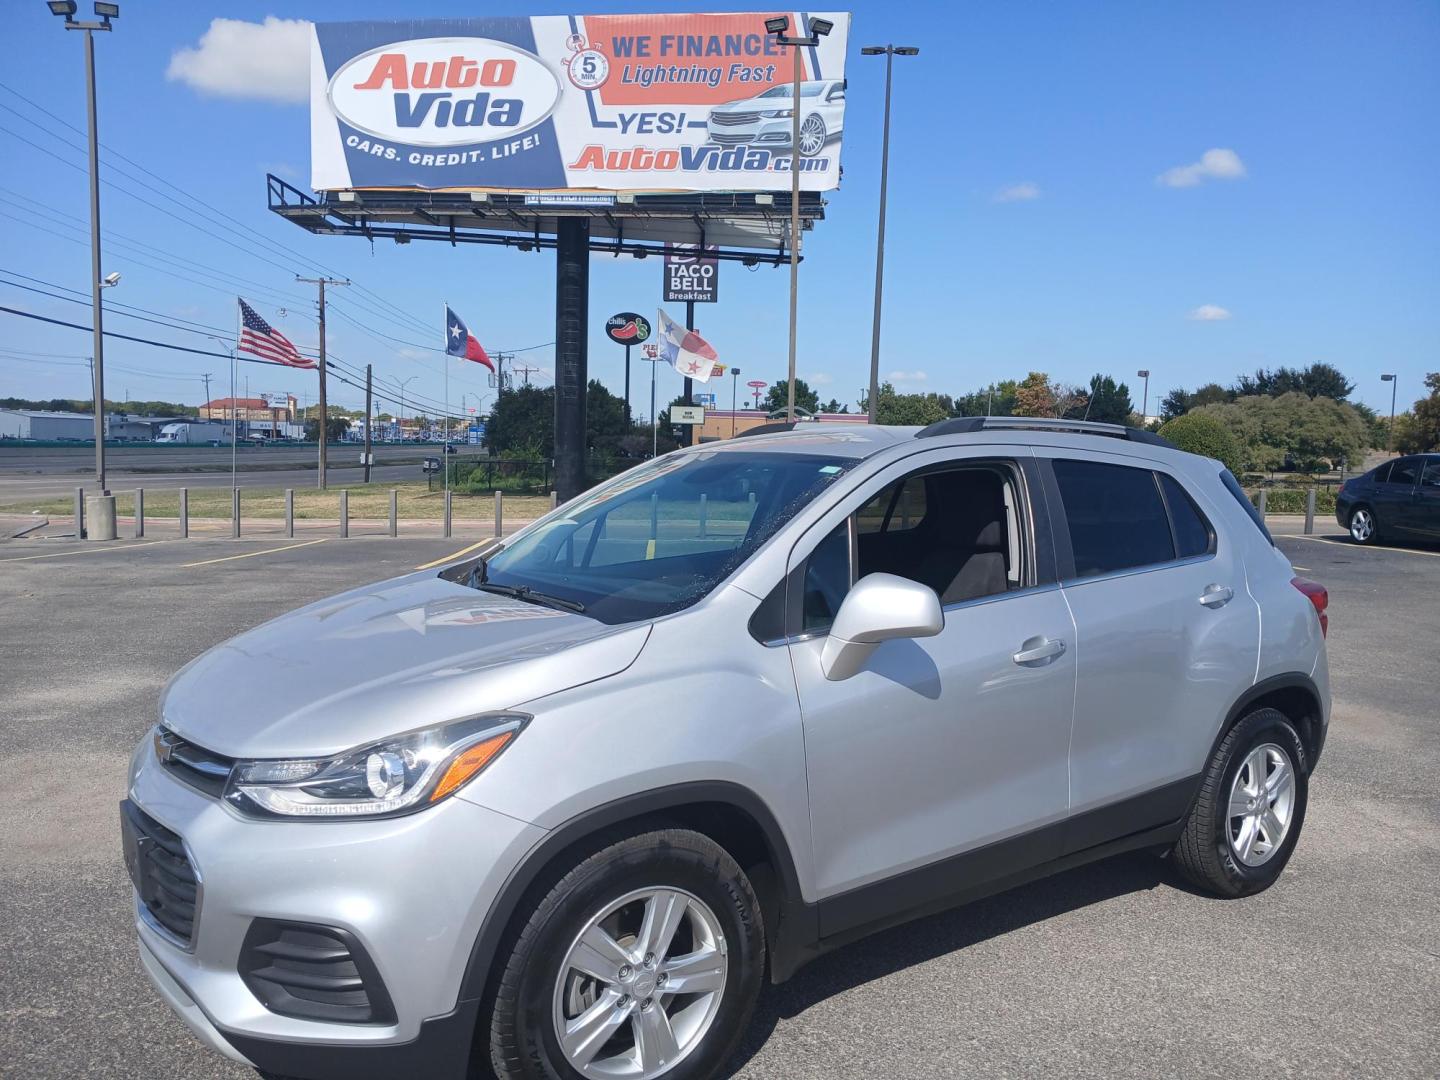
[[732, 815], [1294, 694]]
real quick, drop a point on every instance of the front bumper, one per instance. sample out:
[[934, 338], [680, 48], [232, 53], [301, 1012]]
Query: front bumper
[[773, 134], [413, 891]]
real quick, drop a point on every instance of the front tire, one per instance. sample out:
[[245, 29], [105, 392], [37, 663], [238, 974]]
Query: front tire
[[643, 960], [1247, 818], [1363, 527]]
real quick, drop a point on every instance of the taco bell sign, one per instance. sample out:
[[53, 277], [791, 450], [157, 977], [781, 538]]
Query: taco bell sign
[[691, 275], [609, 102]]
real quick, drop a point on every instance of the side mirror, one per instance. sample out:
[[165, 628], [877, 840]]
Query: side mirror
[[878, 608]]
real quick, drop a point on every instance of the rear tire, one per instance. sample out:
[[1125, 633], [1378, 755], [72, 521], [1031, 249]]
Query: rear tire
[[1364, 529], [590, 920], [1247, 818]]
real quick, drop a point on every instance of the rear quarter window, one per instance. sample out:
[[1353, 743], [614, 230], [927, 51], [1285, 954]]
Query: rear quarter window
[[1233, 486]]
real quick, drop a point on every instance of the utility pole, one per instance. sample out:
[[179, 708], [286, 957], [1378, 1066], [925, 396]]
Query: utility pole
[[368, 420], [500, 359], [106, 12], [206, 379], [525, 371], [324, 411], [818, 28], [889, 52]]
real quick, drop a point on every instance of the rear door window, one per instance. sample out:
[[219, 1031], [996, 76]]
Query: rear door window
[[1193, 535], [1431, 478], [1115, 515], [1405, 472]]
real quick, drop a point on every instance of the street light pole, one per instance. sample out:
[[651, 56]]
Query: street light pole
[[1144, 373], [818, 28], [400, 424], [890, 52], [106, 12], [1390, 438]]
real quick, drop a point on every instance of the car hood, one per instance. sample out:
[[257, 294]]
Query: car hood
[[385, 659], [746, 105]]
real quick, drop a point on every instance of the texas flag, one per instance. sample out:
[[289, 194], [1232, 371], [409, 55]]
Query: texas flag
[[460, 342], [689, 353]]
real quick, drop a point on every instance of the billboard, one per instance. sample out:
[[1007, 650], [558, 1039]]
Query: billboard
[[561, 102]]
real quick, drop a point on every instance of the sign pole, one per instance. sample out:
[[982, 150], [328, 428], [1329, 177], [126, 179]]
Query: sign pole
[[689, 390], [654, 416], [627, 386]]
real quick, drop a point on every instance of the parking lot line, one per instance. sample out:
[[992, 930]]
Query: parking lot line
[[87, 551], [1346, 544], [253, 554], [455, 555]]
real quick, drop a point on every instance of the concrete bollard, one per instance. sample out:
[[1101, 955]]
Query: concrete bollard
[[394, 512], [1263, 501], [499, 512], [289, 511], [1310, 512], [184, 513], [100, 512], [554, 500], [79, 513], [344, 513], [447, 513], [654, 515], [139, 513], [704, 513], [235, 513]]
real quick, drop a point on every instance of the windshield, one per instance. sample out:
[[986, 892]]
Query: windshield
[[662, 536], [787, 90]]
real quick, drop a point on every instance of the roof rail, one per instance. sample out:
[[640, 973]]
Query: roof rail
[[966, 425], [768, 429]]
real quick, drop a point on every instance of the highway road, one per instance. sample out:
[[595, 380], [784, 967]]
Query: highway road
[[47, 472]]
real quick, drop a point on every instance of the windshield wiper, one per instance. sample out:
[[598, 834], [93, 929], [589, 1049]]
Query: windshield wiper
[[524, 592]]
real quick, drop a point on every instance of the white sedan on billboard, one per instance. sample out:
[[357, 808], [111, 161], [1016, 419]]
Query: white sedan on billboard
[[766, 120]]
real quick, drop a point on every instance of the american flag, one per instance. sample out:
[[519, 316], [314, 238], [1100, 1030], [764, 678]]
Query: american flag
[[259, 338]]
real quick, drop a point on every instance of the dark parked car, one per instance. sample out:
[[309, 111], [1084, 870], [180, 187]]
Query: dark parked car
[[1400, 499]]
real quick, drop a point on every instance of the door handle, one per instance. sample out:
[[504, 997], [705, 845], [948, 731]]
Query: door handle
[[1039, 650], [1217, 596]]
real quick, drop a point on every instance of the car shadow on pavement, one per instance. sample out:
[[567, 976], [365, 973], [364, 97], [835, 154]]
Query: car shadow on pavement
[[926, 939]]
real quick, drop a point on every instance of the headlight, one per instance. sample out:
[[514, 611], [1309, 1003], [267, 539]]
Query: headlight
[[779, 112], [394, 776]]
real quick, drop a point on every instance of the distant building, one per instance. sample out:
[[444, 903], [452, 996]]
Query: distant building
[[268, 416], [723, 424], [46, 426]]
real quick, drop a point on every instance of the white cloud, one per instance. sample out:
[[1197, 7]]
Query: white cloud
[[907, 376], [267, 61], [1209, 313], [818, 378], [1021, 192], [1217, 164]]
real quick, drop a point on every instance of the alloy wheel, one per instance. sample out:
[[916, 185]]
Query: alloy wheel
[[1262, 804], [641, 984], [812, 136], [1362, 526]]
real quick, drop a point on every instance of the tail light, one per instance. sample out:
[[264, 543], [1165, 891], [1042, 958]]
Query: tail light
[[1317, 595]]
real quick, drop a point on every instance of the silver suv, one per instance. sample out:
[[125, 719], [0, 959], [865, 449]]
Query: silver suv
[[562, 809]]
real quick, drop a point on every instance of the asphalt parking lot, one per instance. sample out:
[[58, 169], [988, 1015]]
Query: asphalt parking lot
[[1114, 970]]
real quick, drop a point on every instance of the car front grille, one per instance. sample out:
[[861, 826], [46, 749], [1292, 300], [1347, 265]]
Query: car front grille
[[734, 118], [201, 769], [313, 972], [726, 138], [162, 873]]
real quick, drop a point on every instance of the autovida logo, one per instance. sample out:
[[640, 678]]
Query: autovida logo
[[444, 91]]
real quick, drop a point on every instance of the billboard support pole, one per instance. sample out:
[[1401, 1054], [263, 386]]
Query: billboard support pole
[[794, 233], [572, 320], [689, 390], [627, 387]]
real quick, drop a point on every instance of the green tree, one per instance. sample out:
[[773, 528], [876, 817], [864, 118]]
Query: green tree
[[1317, 380], [1178, 402], [524, 416], [1207, 435], [1425, 422], [996, 400], [1293, 429], [805, 398], [833, 406], [1109, 403], [907, 409], [335, 428]]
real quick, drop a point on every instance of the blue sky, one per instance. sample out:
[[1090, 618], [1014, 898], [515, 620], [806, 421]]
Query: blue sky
[[1029, 225]]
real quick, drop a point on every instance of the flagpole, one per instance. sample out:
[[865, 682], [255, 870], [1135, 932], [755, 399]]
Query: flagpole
[[445, 435], [234, 422], [654, 416]]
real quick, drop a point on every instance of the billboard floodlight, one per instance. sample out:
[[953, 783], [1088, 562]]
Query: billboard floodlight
[[777, 25], [62, 7], [820, 27], [107, 11]]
